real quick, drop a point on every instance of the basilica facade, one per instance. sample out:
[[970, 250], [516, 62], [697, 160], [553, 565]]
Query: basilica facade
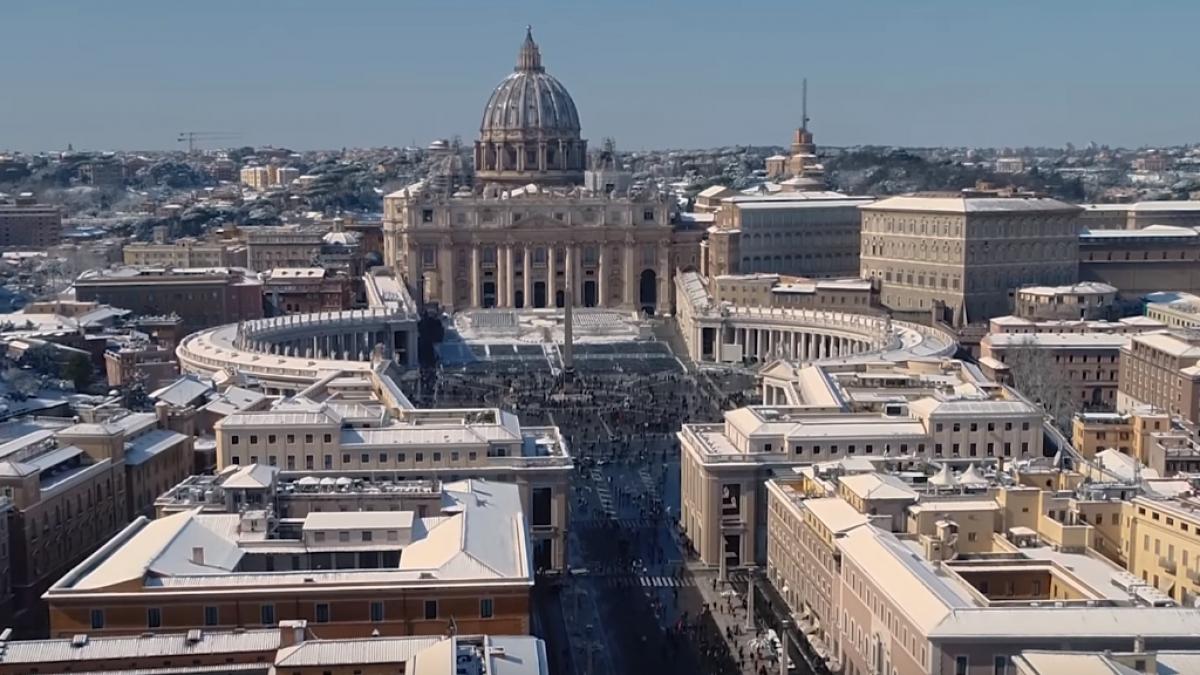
[[539, 222]]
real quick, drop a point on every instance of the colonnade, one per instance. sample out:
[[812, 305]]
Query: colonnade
[[763, 344]]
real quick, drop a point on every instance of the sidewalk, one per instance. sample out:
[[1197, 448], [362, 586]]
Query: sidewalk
[[730, 615]]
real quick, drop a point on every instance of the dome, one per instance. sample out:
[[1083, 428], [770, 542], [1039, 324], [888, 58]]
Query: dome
[[530, 99], [530, 128], [341, 238]]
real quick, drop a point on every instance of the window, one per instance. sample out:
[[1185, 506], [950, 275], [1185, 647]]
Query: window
[[322, 612], [328, 438], [345, 458], [153, 617], [960, 665], [366, 458], [308, 438], [211, 616], [383, 458], [97, 619], [1000, 665], [318, 536], [328, 462], [234, 439], [431, 610], [343, 536], [266, 615], [253, 439], [291, 438], [376, 612], [437, 456], [427, 216], [420, 457], [367, 535], [308, 462], [487, 608]]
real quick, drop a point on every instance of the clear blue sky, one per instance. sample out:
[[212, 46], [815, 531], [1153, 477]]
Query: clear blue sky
[[133, 73]]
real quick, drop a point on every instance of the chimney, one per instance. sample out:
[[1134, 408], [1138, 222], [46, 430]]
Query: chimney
[[198, 555], [162, 410], [291, 632], [1139, 644]]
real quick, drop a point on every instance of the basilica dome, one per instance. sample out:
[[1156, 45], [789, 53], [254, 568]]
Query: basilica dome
[[530, 127]]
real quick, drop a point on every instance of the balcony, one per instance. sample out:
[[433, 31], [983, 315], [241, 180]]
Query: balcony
[[1167, 564]]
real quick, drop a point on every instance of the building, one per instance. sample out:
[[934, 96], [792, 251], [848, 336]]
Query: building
[[789, 231], [291, 290], [288, 246], [773, 290], [360, 426], [289, 647], [1139, 215], [72, 486], [1145, 434], [1086, 301], [527, 229], [185, 252], [1142, 261], [201, 296], [286, 175], [978, 570], [811, 321], [139, 361], [1084, 354], [26, 224], [256, 177], [937, 409], [464, 567], [961, 254], [1161, 370], [1177, 310], [1133, 662], [1010, 165]]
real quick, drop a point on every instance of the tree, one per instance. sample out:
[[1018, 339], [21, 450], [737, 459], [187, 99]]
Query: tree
[[78, 369], [1036, 375]]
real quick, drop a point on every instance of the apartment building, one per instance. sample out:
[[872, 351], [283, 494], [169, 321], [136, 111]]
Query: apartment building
[[1084, 301], [355, 426], [981, 570], [185, 252], [26, 224], [874, 410], [961, 254], [1138, 215], [1162, 370], [290, 647], [463, 568], [73, 485], [202, 296], [1085, 354]]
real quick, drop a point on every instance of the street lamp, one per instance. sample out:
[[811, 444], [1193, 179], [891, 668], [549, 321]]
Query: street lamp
[[751, 570]]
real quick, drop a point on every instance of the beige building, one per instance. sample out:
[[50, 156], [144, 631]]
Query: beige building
[[1085, 301], [348, 426], [463, 567], [1176, 310], [979, 571], [288, 246], [932, 410], [789, 231], [1161, 369], [1137, 661], [292, 290], [532, 226], [1138, 215], [773, 290], [26, 224], [186, 252], [256, 177], [1142, 261], [964, 253]]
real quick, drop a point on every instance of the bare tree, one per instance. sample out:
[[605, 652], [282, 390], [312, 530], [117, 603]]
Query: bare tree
[[1036, 375]]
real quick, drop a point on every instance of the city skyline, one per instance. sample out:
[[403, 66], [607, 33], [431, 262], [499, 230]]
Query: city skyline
[[308, 76]]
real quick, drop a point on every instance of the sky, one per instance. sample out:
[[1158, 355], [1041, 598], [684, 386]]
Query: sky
[[133, 74]]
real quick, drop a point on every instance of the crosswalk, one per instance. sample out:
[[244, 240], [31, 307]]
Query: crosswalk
[[604, 494], [621, 523], [644, 582]]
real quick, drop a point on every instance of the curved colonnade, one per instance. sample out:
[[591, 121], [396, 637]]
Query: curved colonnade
[[287, 353]]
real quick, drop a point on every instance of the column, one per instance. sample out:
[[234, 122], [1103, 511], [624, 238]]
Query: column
[[446, 270], [577, 280], [526, 278], [630, 294], [601, 277], [475, 275], [501, 275], [569, 274], [551, 278], [510, 277]]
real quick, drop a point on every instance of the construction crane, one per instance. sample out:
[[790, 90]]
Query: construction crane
[[191, 137]]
